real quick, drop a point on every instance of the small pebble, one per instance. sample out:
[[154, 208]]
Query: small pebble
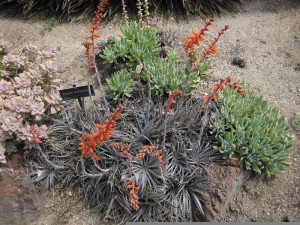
[[239, 62]]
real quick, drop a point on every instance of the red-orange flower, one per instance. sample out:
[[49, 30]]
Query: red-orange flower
[[147, 149], [90, 40], [87, 146], [222, 85], [172, 95], [195, 39], [133, 196], [158, 156], [102, 132], [124, 149], [210, 48]]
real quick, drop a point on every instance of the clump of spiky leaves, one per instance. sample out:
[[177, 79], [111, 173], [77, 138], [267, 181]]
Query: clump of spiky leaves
[[78, 10], [29, 90], [120, 83], [252, 130], [138, 47], [168, 190], [135, 45]]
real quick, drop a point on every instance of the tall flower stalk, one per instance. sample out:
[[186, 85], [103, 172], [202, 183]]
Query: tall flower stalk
[[195, 39], [124, 13], [172, 95], [211, 48], [90, 46]]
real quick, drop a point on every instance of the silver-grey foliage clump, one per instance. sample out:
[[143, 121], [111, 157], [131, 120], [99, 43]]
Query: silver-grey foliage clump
[[171, 191]]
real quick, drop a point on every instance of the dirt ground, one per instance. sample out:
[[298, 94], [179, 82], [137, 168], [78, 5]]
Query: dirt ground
[[264, 33]]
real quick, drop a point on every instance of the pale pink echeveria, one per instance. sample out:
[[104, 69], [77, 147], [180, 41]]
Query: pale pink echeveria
[[56, 98], [12, 60], [9, 60], [3, 46], [7, 114], [2, 101], [22, 134], [11, 124], [37, 108], [23, 80], [37, 73], [51, 67], [18, 104], [6, 87], [25, 92], [21, 61], [48, 55], [4, 135], [37, 90], [31, 48], [4, 73]]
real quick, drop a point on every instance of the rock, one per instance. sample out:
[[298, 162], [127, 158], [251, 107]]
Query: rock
[[297, 67], [19, 201], [228, 180], [239, 62], [290, 219]]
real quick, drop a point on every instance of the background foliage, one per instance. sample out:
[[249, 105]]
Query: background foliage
[[68, 9]]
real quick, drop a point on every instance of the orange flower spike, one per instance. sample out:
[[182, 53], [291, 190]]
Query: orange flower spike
[[172, 95], [87, 146], [102, 132], [195, 39], [145, 150], [158, 156], [124, 149], [133, 196], [206, 97], [222, 85], [211, 47], [92, 29]]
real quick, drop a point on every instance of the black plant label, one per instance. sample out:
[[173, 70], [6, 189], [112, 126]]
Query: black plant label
[[77, 92]]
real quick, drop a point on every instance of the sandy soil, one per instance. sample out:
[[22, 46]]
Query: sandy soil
[[265, 33]]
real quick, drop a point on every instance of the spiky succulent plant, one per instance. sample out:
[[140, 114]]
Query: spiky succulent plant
[[138, 47], [170, 190]]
